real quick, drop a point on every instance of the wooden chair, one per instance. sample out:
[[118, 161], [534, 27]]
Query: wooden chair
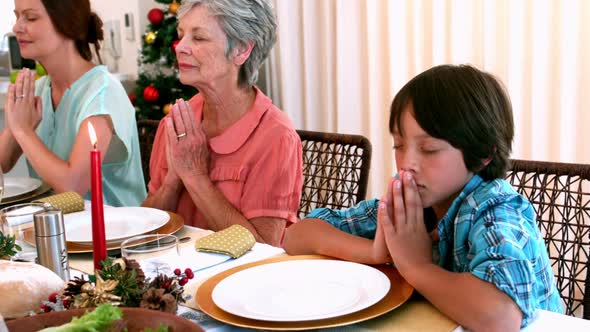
[[560, 194], [335, 170], [147, 132]]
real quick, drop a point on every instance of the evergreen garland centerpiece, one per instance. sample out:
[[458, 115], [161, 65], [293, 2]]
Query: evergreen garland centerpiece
[[121, 282], [158, 84]]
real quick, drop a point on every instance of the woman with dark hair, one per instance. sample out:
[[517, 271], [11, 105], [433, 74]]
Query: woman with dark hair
[[48, 120]]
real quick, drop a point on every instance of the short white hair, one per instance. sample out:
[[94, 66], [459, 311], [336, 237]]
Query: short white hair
[[242, 21]]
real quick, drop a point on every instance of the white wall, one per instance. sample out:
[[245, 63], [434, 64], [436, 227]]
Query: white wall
[[111, 10], [6, 16]]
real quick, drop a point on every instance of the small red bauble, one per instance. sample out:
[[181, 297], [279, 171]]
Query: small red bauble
[[151, 94], [132, 98], [174, 44], [155, 16]]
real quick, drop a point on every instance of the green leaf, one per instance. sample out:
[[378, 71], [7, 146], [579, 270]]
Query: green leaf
[[8, 246], [98, 320], [161, 328]]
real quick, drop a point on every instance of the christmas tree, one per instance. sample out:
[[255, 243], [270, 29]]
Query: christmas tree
[[158, 86]]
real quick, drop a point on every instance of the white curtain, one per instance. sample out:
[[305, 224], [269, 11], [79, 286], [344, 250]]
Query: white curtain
[[338, 64]]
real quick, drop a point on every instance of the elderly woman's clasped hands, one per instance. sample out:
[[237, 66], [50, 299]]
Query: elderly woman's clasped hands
[[187, 151]]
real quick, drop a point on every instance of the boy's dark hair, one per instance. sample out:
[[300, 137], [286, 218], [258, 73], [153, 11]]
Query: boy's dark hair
[[467, 108]]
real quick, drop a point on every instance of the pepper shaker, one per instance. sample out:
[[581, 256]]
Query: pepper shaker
[[50, 237]]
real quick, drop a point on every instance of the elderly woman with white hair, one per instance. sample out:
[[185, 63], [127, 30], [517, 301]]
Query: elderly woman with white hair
[[228, 155]]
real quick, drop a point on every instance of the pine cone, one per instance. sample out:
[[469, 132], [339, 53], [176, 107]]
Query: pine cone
[[132, 264], [74, 286], [169, 285], [156, 299], [162, 281]]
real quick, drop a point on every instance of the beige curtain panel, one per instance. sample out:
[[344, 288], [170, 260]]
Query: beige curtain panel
[[338, 64]]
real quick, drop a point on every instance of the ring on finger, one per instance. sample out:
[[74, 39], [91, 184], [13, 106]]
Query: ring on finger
[[20, 96], [180, 135]]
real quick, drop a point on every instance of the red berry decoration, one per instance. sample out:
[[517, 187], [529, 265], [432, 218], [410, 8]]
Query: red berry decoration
[[45, 308], [174, 44], [66, 303], [183, 281], [53, 297], [155, 16], [151, 94], [177, 272]]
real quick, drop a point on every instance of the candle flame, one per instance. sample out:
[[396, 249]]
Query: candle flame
[[92, 134]]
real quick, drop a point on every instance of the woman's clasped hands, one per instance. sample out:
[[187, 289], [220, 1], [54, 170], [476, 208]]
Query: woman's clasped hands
[[187, 148], [23, 109], [401, 226]]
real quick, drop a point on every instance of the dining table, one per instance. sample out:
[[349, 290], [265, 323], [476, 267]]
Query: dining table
[[416, 314]]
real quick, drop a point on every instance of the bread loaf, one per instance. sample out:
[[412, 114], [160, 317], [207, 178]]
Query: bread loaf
[[23, 286]]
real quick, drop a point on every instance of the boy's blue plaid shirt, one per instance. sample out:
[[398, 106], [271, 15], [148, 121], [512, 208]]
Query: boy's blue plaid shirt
[[489, 231]]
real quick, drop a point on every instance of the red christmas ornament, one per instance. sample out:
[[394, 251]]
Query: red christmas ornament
[[174, 44], [132, 98], [151, 94], [155, 16]]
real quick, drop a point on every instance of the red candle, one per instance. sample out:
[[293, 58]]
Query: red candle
[[99, 243]]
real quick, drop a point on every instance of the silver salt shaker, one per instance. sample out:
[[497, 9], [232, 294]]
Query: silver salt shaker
[[50, 236]]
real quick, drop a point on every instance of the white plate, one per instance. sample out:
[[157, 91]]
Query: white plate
[[19, 186], [301, 290], [120, 223]]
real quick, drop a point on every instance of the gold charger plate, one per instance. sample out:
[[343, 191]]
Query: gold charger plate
[[399, 292], [173, 225], [26, 197]]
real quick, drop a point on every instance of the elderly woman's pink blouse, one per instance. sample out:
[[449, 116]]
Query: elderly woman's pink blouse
[[256, 163]]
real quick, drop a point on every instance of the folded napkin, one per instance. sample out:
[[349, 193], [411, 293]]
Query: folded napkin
[[21, 215], [67, 202], [233, 241]]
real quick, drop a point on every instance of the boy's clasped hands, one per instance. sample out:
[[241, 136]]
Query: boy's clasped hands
[[401, 232]]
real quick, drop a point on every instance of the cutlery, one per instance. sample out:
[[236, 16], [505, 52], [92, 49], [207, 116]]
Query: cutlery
[[162, 243], [184, 239]]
